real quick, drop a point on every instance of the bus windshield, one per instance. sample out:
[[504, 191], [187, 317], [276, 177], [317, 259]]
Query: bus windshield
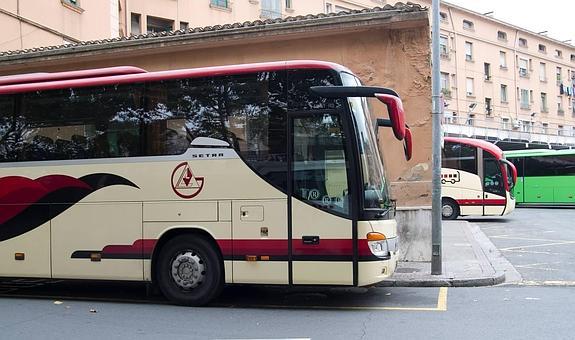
[[374, 185]]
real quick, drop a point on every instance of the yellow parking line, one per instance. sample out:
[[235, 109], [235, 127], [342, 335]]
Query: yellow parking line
[[442, 299]]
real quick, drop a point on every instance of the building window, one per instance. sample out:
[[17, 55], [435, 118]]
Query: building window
[[445, 85], [184, 25], [522, 42], [468, 25], [573, 58], [469, 87], [544, 128], [136, 26], [542, 48], [503, 93], [220, 3], [443, 46], [271, 9], [487, 71], [560, 130], [526, 126], [558, 54], [502, 59], [505, 124], [488, 106], [558, 75], [560, 110], [523, 64], [501, 36], [544, 107], [156, 24], [443, 17], [468, 51], [524, 99], [470, 119], [328, 8], [289, 4], [542, 72]]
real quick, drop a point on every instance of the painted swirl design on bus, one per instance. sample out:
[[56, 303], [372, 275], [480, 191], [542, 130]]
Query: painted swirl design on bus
[[26, 204]]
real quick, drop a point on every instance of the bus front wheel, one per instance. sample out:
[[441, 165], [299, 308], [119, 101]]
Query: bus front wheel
[[449, 209], [189, 270]]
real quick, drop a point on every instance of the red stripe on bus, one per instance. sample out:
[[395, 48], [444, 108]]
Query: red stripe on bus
[[480, 202], [257, 247], [173, 74]]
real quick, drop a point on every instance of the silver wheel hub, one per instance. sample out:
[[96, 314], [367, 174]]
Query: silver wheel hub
[[447, 210], [188, 269]]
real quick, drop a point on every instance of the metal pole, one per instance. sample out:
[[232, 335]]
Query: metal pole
[[436, 265]]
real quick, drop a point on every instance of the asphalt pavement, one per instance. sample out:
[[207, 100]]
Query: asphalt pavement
[[540, 302]]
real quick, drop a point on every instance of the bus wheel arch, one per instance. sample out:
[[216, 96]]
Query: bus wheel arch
[[197, 250], [449, 208]]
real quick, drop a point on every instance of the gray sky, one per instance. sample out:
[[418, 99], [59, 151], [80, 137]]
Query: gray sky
[[555, 16]]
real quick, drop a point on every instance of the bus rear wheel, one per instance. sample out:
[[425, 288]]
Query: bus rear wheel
[[449, 209], [189, 270]]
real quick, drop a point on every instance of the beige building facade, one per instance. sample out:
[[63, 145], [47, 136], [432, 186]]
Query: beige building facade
[[32, 23], [504, 83]]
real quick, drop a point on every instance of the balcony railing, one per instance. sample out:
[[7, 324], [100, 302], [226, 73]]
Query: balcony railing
[[477, 128]]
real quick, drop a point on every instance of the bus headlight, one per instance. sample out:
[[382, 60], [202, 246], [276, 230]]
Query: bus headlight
[[379, 245]]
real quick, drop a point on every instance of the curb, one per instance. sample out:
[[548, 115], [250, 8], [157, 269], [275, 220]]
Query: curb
[[497, 278]]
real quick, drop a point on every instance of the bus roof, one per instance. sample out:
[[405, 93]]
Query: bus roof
[[46, 76], [479, 143], [538, 153], [40, 85]]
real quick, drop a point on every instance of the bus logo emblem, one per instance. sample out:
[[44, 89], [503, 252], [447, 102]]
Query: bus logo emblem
[[184, 183]]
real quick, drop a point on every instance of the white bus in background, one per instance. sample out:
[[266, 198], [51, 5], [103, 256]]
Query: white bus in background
[[476, 180]]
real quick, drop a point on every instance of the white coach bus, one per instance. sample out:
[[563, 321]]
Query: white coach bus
[[191, 179], [476, 179]]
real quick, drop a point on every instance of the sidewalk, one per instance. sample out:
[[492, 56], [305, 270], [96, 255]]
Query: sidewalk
[[469, 259]]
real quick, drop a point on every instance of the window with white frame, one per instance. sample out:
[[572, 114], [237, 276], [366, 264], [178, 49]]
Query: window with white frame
[[468, 25], [522, 42], [488, 106], [501, 36], [558, 75], [505, 124], [469, 86], [443, 46], [560, 105], [526, 126], [135, 23], [503, 93], [560, 130], [502, 59], [524, 98], [468, 51], [542, 72], [445, 83], [545, 128], [523, 65], [487, 71]]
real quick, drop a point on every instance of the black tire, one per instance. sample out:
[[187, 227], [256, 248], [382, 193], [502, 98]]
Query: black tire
[[196, 264], [449, 209]]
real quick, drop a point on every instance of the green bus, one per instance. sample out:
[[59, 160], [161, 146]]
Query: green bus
[[545, 177]]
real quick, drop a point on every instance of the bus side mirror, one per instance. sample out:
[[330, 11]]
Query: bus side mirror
[[408, 144], [407, 139], [396, 113]]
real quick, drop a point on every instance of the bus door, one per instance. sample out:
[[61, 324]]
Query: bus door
[[321, 228], [494, 193]]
